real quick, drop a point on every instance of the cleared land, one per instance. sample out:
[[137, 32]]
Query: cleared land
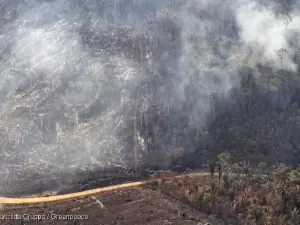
[[139, 205]]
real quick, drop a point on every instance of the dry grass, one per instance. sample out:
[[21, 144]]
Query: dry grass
[[238, 200]]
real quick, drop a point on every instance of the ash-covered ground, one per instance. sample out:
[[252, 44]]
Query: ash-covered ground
[[70, 72]]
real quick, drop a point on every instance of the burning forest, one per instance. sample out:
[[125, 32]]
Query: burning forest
[[91, 88]]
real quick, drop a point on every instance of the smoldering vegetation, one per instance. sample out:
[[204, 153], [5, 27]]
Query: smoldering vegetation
[[93, 86]]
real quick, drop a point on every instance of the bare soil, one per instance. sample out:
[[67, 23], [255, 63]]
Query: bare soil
[[143, 205]]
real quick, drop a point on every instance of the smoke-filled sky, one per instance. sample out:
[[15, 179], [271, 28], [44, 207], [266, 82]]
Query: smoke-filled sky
[[69, 77]]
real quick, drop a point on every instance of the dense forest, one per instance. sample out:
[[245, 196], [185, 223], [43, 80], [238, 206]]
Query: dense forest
[[146, 84]]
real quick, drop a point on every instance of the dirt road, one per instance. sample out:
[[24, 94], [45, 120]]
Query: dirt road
[[139, 205], [41, 199]]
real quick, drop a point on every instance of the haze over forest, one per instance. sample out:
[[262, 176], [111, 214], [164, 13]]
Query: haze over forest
[[88, 85]]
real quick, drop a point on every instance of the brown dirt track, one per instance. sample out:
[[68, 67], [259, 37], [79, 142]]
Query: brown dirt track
[[139, 205], [129, 203]]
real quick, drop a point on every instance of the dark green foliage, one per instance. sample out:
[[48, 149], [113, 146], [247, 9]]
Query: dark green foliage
[[263, 124]]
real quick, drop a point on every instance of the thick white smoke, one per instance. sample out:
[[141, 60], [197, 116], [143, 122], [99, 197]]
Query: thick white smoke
[[265, 29]]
